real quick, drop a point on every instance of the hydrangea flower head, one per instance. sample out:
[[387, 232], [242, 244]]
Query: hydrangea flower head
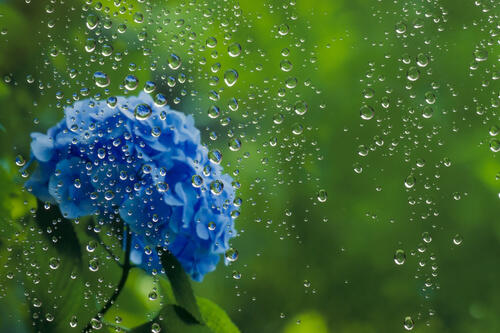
[[145, 162]]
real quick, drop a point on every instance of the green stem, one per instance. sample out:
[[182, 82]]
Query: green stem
[[121, 284]]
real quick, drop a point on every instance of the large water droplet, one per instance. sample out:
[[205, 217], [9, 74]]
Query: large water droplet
[[230, 77], [142, 111], [174, 61], [101, 79]]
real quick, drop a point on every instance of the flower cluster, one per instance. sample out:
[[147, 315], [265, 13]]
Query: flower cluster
[[141, 160]]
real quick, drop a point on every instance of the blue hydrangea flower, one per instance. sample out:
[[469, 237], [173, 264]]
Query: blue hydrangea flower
[[143, 161]]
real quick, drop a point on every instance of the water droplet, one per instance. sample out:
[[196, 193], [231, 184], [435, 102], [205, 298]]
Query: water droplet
[[495, 145], [278, 118], [109, 195], [408, 323], [138, 17], [410, 181], [73, 322], [427, 112], [399, 257], [91, 246], [37, 303], [300, 108], [149, 87], [230, 77], [366, 112], [153, 296], [235, 144], [426, 237], [481, 55], [422, 60], [234, 49], [112, 101], [286, 65], [131, 82], [101, 79], [54, 263], [400, 27], [213, 111], [174, 61], [142, 111], [162, 187], [216, 187], [20, 161], [215, 156], [197, 181], [457, 239], [92, 21], [211, 42], [231, 255], [94, 264], [283, 29], [297, 129], [322, 196], [413, 74], [155, 328], [430, 98]]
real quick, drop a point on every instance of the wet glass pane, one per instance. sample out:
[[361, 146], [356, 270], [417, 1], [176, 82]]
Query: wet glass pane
[[249, 166]]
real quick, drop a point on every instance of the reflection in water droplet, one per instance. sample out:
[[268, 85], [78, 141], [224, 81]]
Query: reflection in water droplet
[[142, 111], [322, 196], [216, 187], [92, 21], [408, 323], [283, 29], [300, 108], [286, 65], [94, 264], [399, 257], [174, 61], [413, 74], [231, 255], [54, 263], [234, 144], [366, 112], [230, 77], [410, 181], [131, 82], [457, 240], [234, 49], [101, 79], [215, 156]]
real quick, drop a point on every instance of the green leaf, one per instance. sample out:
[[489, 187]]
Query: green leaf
[[180, 283], [215, 317], [173, 319], [59, 231], [55, 291], [61, 298]]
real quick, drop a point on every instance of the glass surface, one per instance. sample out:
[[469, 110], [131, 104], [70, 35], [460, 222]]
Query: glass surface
[[249, 166]]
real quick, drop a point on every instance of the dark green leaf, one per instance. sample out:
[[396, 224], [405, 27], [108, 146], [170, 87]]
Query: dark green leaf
[[173, 319], [180, 283], [215, 318], [56, 289], [59, 231]]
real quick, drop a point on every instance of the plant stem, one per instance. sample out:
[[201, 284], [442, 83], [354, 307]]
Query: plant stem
[[121, 283]]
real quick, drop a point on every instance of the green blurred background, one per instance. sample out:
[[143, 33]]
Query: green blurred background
[[305, 265]]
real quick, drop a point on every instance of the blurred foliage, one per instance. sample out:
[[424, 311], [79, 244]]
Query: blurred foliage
[[305, 266]]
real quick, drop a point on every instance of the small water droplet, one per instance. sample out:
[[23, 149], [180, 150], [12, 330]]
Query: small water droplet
[[399, 257]]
